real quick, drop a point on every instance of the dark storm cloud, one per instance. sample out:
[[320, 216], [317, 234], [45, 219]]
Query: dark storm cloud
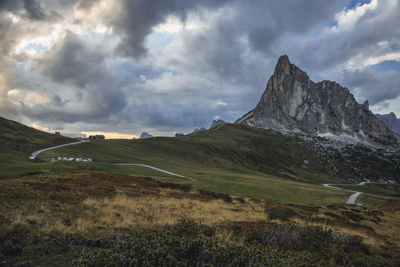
[[265, 21], [34, 10], [365, 37], [262, 21], [72, 60], [93, 90], [138, 17], [31, 9], [374, 87], [221, 48]]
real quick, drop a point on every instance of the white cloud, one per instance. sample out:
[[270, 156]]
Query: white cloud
[[347, 19]]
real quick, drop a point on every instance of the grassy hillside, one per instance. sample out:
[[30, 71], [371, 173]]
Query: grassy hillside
[[232, 159], [233, 148], [19, 137], [17, 142]]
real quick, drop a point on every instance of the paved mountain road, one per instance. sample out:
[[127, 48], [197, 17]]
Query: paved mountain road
[[353, 197], [36, 153]]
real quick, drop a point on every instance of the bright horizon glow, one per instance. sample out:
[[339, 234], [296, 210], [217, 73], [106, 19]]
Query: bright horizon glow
[[112, 135]]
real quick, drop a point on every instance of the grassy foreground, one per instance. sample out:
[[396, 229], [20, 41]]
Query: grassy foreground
[[96, 218]]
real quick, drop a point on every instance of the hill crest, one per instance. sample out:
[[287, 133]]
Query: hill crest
[[19, 137]]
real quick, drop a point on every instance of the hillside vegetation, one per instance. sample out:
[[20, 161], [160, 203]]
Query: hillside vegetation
[[234, 148], [239, 148], [96, 218], [18, 137]]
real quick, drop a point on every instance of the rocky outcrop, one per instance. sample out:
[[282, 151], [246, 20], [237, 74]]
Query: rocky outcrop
[[145, 135], [197, 130], [292, 102], [391, 121], [216, 123]]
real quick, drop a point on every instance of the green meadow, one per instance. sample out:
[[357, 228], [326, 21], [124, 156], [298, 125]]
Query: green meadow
[[232, 159]]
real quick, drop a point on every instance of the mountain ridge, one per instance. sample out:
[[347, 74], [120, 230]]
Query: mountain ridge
[[292, 102], [391, 121]]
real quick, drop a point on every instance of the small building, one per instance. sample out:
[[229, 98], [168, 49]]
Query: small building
[[179, 134], [57, 133], [97, 137]]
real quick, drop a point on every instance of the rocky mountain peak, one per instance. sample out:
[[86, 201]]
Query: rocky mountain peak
[[283, 65], [285, 68], [365, 106], [145, 135], [292, 102]]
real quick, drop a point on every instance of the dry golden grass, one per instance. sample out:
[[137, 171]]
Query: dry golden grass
[[367, 237], [144, 212], [98, 202], [123, 211]]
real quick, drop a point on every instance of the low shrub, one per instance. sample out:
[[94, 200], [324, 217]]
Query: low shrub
[[333, 215], [353, 216], [291, 236], [182, 187], [190, 228], [280, 213], [240, 200], [224, 197], [170, 250]]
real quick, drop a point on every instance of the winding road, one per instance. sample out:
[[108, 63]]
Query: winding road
[[36, 153], [353, 197]]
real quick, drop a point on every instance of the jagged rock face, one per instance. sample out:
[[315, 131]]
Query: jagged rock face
[[391, 121], [216, 123], [202, 129], [292, 102], [145, 135]]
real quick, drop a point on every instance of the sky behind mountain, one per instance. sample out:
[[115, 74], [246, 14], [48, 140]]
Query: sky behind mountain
[[127, 66]]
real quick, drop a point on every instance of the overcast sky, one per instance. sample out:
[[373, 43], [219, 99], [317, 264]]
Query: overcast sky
[[166, 66]]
